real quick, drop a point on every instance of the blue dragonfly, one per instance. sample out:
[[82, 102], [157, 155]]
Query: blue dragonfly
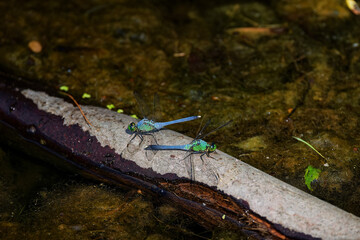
[[196, 146], [147, 126]]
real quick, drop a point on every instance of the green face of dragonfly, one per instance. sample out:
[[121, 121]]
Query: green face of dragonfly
[[132, 127], [211, 148]]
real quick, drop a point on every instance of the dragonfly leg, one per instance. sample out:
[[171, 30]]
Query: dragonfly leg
[[208, 155], [141, 137], [201, 157]]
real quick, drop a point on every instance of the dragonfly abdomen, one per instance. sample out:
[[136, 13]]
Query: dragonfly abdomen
[[166, 147], [163, 124]]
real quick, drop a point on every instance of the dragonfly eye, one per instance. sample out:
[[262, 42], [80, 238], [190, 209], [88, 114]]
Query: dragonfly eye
[[132, 127], [212, 147]]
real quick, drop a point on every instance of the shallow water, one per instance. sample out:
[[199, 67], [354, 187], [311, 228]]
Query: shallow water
[[278, 69]]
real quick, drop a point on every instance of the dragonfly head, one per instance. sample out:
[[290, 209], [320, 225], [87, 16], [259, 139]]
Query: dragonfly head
[[132, 127], [212, 148]]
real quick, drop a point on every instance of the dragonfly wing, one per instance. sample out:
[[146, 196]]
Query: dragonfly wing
[[225, 124], [192, 168], [141, 105], [156, 108], [189, 164], [153, 142], [210, 168], [199, 135], [152, 112]]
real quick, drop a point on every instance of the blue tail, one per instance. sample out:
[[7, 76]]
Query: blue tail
[[160, 125], [165, 147]]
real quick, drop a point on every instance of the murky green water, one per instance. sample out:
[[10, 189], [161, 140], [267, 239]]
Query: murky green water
[[40, 202], [278, 69]]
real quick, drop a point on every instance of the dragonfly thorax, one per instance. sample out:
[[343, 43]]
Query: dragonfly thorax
[[199, 146], [146, 125]]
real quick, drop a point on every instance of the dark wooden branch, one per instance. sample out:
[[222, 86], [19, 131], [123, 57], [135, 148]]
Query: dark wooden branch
[[244, 198]]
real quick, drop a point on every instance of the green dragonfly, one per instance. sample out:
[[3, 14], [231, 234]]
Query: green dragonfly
[[197, 146]]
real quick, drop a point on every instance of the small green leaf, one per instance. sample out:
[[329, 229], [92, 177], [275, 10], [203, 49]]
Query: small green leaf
[[86, 95], [110, 106], [311, 174], [64, 88], [120, 111], [134, 116]]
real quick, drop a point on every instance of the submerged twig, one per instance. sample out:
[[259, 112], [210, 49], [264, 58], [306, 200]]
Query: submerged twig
[[308, 144]]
